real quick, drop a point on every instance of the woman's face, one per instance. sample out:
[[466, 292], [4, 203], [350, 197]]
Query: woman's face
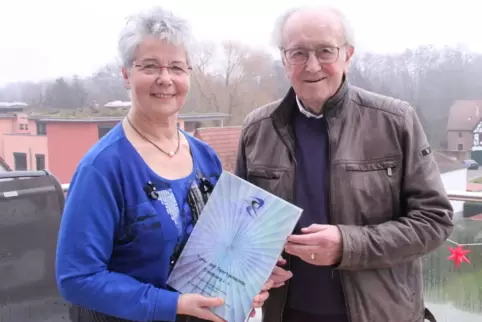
[[159, 78]]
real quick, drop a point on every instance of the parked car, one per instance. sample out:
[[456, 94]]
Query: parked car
[[471, 164]]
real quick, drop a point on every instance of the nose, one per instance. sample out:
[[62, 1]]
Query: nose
[[164, 77], [312, 64]]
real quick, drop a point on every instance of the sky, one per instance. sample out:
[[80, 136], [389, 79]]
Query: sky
[[47, 39]]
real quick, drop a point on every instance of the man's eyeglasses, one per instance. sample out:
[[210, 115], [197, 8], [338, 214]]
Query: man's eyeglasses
[[299, 56], [177, 69]]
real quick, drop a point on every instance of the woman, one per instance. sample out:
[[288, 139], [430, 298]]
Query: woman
[[127, 213]]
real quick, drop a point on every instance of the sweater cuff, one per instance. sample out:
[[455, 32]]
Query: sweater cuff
[[166, 306]]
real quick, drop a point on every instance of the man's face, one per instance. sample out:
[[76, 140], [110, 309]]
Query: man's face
[[315, 56]]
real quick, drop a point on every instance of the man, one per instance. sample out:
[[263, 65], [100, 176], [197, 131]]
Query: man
[[360, 166]]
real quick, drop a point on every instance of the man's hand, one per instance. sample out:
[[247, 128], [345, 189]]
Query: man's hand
[[198, 306], [318, 245]]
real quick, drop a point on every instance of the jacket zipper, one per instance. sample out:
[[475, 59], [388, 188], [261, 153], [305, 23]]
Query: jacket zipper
[[389, 172], [293, 155], [328, 178]]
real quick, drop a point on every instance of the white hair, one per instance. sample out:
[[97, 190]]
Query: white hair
[[348, 32], [153, 22]]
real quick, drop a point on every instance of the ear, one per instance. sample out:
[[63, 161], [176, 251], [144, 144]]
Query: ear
[[281, 53], [125, 76], [349, 51]]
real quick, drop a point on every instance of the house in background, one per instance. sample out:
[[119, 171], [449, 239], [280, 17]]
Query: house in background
[[224, 140], [463, 128], [58, 143], [454, 178]]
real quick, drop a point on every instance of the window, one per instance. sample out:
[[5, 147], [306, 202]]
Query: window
[[460, 147], [40, 161], [26, 126], [460, 134], [20, 160], [41, 129], [104, 129], [21, 127]]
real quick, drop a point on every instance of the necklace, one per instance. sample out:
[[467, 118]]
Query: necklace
[[169, 154]]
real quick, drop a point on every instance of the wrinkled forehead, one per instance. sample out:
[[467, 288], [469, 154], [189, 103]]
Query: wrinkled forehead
[[311, 29]]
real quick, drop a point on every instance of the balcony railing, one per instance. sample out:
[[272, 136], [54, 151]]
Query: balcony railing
[[452, 294], [455, 294]]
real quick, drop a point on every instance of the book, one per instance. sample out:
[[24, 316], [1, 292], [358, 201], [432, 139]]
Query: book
[[234, 246]]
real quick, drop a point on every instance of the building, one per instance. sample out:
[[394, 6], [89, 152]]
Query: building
[[58, 143], [463, 130], [454, 177], [224, 140]]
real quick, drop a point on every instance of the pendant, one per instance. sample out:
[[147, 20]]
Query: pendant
[[171, 154]]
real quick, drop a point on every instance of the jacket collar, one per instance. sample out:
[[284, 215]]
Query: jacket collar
[[282, 115]]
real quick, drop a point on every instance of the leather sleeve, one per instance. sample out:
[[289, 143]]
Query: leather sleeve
[[427, 218], [240, 167]]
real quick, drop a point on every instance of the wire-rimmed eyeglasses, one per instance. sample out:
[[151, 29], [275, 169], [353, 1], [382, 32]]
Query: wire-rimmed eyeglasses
[[177, 69], [299, 56]]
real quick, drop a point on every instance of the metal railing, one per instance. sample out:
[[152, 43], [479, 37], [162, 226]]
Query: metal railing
[[453, 195]]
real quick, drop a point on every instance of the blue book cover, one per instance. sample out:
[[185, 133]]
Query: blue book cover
[[234, 246]]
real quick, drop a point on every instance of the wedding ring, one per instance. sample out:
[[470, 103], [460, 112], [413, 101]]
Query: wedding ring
[[312, 256]]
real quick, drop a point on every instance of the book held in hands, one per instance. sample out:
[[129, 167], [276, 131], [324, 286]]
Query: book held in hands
[[234, 246]]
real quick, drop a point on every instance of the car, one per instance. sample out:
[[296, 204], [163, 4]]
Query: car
[[471, 164]]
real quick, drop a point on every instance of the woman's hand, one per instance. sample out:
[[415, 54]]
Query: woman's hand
[[198, 306], [279, 276]]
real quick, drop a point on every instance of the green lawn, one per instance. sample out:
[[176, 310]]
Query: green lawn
[[476, 180]]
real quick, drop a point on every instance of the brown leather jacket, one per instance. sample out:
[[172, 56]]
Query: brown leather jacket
[[385, 193]]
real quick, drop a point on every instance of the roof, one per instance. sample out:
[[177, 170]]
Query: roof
[[464, 115], [224, 140], [4, 166], [101, 119], [447, 164], [6, 116]]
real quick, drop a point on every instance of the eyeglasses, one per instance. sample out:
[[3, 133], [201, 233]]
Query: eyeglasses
[[324, 55], [177, 69]]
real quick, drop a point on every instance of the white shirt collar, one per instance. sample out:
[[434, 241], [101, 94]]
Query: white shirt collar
[[305, 112]]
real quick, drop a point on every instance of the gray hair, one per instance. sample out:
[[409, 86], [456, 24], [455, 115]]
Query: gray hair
[[348, 32], [156, 22]]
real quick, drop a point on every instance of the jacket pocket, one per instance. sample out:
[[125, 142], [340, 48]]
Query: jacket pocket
[[268, 179], [265, 173], [374, 190], [388, 166]]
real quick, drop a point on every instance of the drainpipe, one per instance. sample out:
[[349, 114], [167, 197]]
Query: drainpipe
[[30, 159]]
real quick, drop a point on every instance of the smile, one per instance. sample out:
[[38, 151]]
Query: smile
[[163, 96], [315, 81]]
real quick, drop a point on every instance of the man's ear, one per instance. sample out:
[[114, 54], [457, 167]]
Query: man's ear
[[125, 76], [349, 51]]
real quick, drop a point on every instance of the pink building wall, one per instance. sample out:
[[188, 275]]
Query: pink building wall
[[18, 135], [63, 145], [6, 126], [28, 144], [68, 142]]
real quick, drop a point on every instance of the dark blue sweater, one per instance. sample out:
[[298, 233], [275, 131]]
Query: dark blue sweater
[[115, 243], [313, 289]]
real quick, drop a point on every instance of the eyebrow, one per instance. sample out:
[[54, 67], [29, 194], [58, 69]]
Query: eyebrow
[[153, 60], [323, 44]]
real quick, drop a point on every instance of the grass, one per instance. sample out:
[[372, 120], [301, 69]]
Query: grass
[[476, 180]]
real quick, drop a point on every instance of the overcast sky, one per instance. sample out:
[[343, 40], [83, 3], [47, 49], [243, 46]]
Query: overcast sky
[[44, 39]]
